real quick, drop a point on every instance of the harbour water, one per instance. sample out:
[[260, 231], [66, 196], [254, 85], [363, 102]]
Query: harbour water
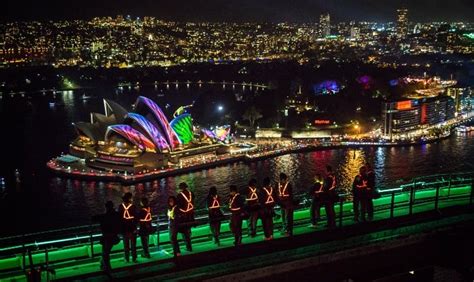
[[34, 130]]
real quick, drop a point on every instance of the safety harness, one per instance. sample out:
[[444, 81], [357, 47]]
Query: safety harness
[[231, 203], [189, 203], [126, 213], [364, 183], [282, 192], [253, 194], [147, 216], [320, 190], [269, 199], [171, 212], [215, 203]]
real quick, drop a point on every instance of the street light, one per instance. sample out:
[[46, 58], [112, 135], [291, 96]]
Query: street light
[[220, 108], [357, 127]]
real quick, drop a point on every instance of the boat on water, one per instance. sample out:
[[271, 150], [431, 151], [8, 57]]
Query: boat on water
[[464, 129], [86, 97], [56, 104]]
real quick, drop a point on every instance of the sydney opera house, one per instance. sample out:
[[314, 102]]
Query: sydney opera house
[[124, 141]]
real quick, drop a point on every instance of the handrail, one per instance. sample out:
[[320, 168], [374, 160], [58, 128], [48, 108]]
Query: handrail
[[86, 258], [90, 232]]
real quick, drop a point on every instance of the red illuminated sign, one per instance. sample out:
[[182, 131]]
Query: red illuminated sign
[[423, 114], [404, 105], [322, 121]]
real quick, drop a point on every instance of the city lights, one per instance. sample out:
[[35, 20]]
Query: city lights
[[309, 123], [130, 43]]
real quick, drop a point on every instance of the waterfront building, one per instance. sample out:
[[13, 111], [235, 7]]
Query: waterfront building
[[399, 117], [412, 114], [143, 140], [458, 94], [436, 110]]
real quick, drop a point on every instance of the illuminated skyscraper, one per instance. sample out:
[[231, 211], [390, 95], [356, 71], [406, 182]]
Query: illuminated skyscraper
[[324, 25], [457, 93], [402, 23], [355, 33]]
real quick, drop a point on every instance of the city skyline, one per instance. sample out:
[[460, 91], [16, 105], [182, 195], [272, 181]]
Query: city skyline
[[242, 11], [126, 42], [298, 140]]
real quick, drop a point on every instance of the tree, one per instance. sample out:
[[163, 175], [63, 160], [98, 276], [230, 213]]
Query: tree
[[252, 114], [435, 131]]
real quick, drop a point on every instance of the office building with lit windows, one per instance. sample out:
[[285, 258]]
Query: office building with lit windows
[[402, 23], [324, 25], [461, 99], [412, 114]]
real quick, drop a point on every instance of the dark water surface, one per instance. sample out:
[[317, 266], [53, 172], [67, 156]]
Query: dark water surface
[[33, 132]]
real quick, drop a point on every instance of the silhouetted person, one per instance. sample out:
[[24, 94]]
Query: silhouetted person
[[370, 176], [330, 195], [110, 228], [127, 212], [145, 226], [215, 213], [236, 205], [359, 192], [173, 226], [185, 213], [285, 199], [316, 194], [267, 202], [253, 207]]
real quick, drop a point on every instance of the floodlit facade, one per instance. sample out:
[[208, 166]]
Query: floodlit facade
[[403, 116], [144, 139]]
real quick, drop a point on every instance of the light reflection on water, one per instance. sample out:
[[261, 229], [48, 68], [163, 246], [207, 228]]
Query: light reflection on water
[[65, 202], [392, 166]]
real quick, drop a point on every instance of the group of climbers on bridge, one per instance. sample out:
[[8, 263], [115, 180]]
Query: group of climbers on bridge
[[363, 192], [250, 204], [124, 222], [324, 193]]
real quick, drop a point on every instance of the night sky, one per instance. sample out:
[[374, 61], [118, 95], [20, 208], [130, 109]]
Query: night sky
[[239, 10]]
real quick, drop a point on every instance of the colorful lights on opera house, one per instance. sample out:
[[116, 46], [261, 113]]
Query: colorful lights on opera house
[[144, 139]]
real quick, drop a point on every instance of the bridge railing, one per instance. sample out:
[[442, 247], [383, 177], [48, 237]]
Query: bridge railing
[[431, 188], [453, 188], [56, 236]]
